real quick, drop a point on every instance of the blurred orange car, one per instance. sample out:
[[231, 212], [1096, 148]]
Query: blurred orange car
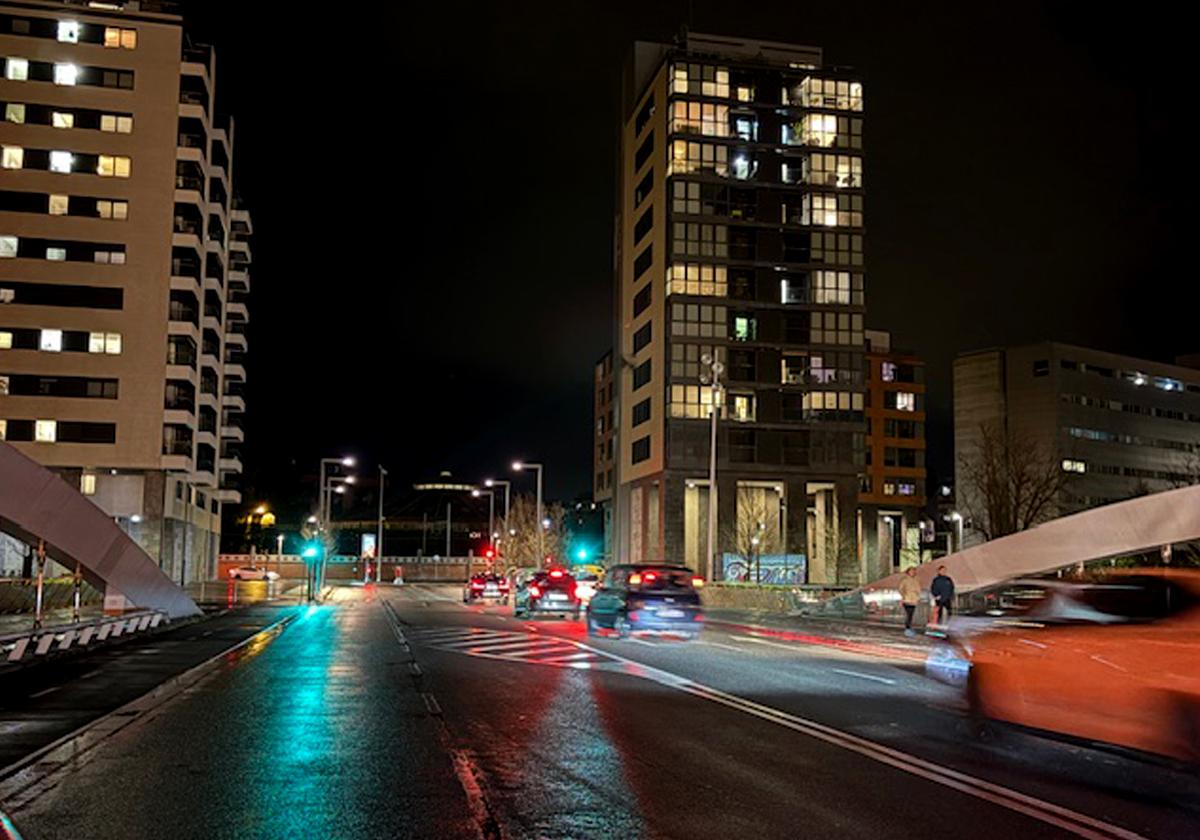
[[1116, 661]]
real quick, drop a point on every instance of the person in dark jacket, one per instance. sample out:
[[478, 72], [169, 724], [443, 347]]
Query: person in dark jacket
[[942, 590]]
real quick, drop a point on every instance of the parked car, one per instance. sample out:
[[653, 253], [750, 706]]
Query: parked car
[[551, 591], [1112, 661], [252, 573], [647, 598]]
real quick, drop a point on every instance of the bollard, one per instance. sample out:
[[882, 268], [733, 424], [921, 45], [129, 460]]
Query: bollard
[[78, 586], [41, 584]]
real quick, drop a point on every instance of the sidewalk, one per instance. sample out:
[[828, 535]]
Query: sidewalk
[[872, 638]]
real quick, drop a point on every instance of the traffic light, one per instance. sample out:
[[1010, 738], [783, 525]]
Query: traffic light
[[311, 550], [581, 555], [489, 553]]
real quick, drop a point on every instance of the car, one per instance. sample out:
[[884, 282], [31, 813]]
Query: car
[[484, 586], [649, 598], [252, 573], [587, 580], [549, 591], [1111, 661]]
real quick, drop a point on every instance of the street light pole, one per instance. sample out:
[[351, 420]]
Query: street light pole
[[379, 540], [507, 487], [518, 466], [712, 378], [491, 494]]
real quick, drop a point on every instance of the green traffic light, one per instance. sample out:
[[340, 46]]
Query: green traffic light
[[310, 551], [582, 554]]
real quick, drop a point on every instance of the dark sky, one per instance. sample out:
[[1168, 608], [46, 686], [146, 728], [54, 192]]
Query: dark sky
[[432, 184]]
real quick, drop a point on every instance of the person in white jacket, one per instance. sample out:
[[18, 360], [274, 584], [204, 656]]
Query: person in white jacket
[[910, 596]]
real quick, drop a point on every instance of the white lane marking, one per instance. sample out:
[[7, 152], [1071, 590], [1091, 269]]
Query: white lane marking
[[512, 645], [578, 655], [643, 642], [91, 674], [44, 691], [725, 646], [765, 642], [872, 677], [1074, 822], [431, 703]]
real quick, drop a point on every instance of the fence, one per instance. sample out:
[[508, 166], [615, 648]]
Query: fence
[[33, 643], [342, 567], [19, 595]]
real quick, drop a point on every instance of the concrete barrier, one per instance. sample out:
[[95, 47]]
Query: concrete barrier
[[776, 599]]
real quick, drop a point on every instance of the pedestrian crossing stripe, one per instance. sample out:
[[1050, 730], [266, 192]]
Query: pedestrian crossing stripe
[[512, 646]]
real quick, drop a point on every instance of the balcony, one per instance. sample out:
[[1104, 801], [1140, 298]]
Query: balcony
[[235, 371], [238, 280], [235, 339], [230, 465], [233, 401], [232, 433], [237, 309]]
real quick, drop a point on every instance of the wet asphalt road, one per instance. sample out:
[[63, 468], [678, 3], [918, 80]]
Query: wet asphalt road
[[403, 713]]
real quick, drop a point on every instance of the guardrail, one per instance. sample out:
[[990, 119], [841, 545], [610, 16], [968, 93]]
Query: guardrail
[[15, 647]]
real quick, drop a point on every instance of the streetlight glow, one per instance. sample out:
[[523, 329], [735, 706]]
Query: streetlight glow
[[348, 461], [476, 493], [487, 482], [518, 466]]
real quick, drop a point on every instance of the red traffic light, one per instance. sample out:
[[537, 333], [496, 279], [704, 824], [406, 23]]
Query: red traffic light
[[489, 553]]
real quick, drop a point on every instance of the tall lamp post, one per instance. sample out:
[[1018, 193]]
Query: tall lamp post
[[491, 494], [379, 539], [507, 487], [519, 466], [712, 369], [346, 461]]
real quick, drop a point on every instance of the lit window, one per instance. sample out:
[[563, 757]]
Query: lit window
[[113, 166], [3, 391], [745, 328], [112, 344], [62, 119], [87, 484], [45, 431], [697, 279], [110, 257], [3, 429], [1072, 466], [12, 157], [16, 69], [8, 246], [5, 340], [65, 74], [691, 401], [14, 112], [906, 401], [128, 39], [61, 161], [122, 38], [112, 209], [50, 341], [887, 371], [68, 31], [56, 254], [59, 204], [742, 407], [745, 94], [124, 125], [700, 118]]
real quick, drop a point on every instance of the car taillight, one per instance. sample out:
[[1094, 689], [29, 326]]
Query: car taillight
[[697, 582], [476, 585], [556, 573], [635, 579], [534, 591], [650, 576]]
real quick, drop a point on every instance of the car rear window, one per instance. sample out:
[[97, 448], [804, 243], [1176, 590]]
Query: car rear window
[[1137, 599], [665, 578]]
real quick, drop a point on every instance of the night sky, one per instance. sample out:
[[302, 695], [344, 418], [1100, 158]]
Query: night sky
[[432, 191]]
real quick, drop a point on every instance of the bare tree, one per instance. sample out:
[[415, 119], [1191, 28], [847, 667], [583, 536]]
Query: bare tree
[[1010, 482], [755, 530], [519, 533]]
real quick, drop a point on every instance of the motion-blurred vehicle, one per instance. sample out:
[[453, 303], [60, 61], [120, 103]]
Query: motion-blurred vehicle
[[551, 591], [587, 580], [252, 573], [1114, 661], [647, 599], [486, 586]]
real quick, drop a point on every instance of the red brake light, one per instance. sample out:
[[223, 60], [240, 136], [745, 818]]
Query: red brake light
[[534, 591], [697, 582], [476, 585], [556, 573], [650, 576]]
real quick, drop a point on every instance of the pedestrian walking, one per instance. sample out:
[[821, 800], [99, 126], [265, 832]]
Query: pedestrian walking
[[910, 596], [942, 590]]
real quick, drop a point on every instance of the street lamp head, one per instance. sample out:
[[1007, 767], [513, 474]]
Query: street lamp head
[[312, 520], [341, 488], [350, 479], [517, 466], [260, 510], [476, 493], [956, 516], [487, 482], [348, 461], [546, 523]]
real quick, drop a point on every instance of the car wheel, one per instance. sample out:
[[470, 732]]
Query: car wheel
[[981, 727], [1187, 727], [622, 626]]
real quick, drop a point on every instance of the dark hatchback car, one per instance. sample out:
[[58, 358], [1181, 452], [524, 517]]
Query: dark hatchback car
[[647, 598], [551, 591]]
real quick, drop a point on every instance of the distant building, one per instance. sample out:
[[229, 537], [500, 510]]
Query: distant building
[[124, 265], [1116, 425], [604, 440], [892, 492], [739, 239]]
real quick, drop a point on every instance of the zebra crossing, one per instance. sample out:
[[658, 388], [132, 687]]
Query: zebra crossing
[[509, 645]]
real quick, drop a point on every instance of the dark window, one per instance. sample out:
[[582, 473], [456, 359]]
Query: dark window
[[641, 374], [643, 153], [62, 294], [643, 188], [1041, 367], [62, 386], [641, 449], [641, 412], [80, 432], [741, 445], [1067, 364], [644, 115], [642, 337], [642, 264], [741, 365], [641, 300], [644, 225]]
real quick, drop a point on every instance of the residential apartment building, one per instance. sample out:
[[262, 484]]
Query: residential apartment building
[[1116, 425], [739, 240], [123, 269], [892, 490], [603, 444]]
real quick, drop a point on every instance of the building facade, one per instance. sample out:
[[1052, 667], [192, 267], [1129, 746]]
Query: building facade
[[1117, 426], [123, 269], [739, 240], [603, 446], [892, 491]]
